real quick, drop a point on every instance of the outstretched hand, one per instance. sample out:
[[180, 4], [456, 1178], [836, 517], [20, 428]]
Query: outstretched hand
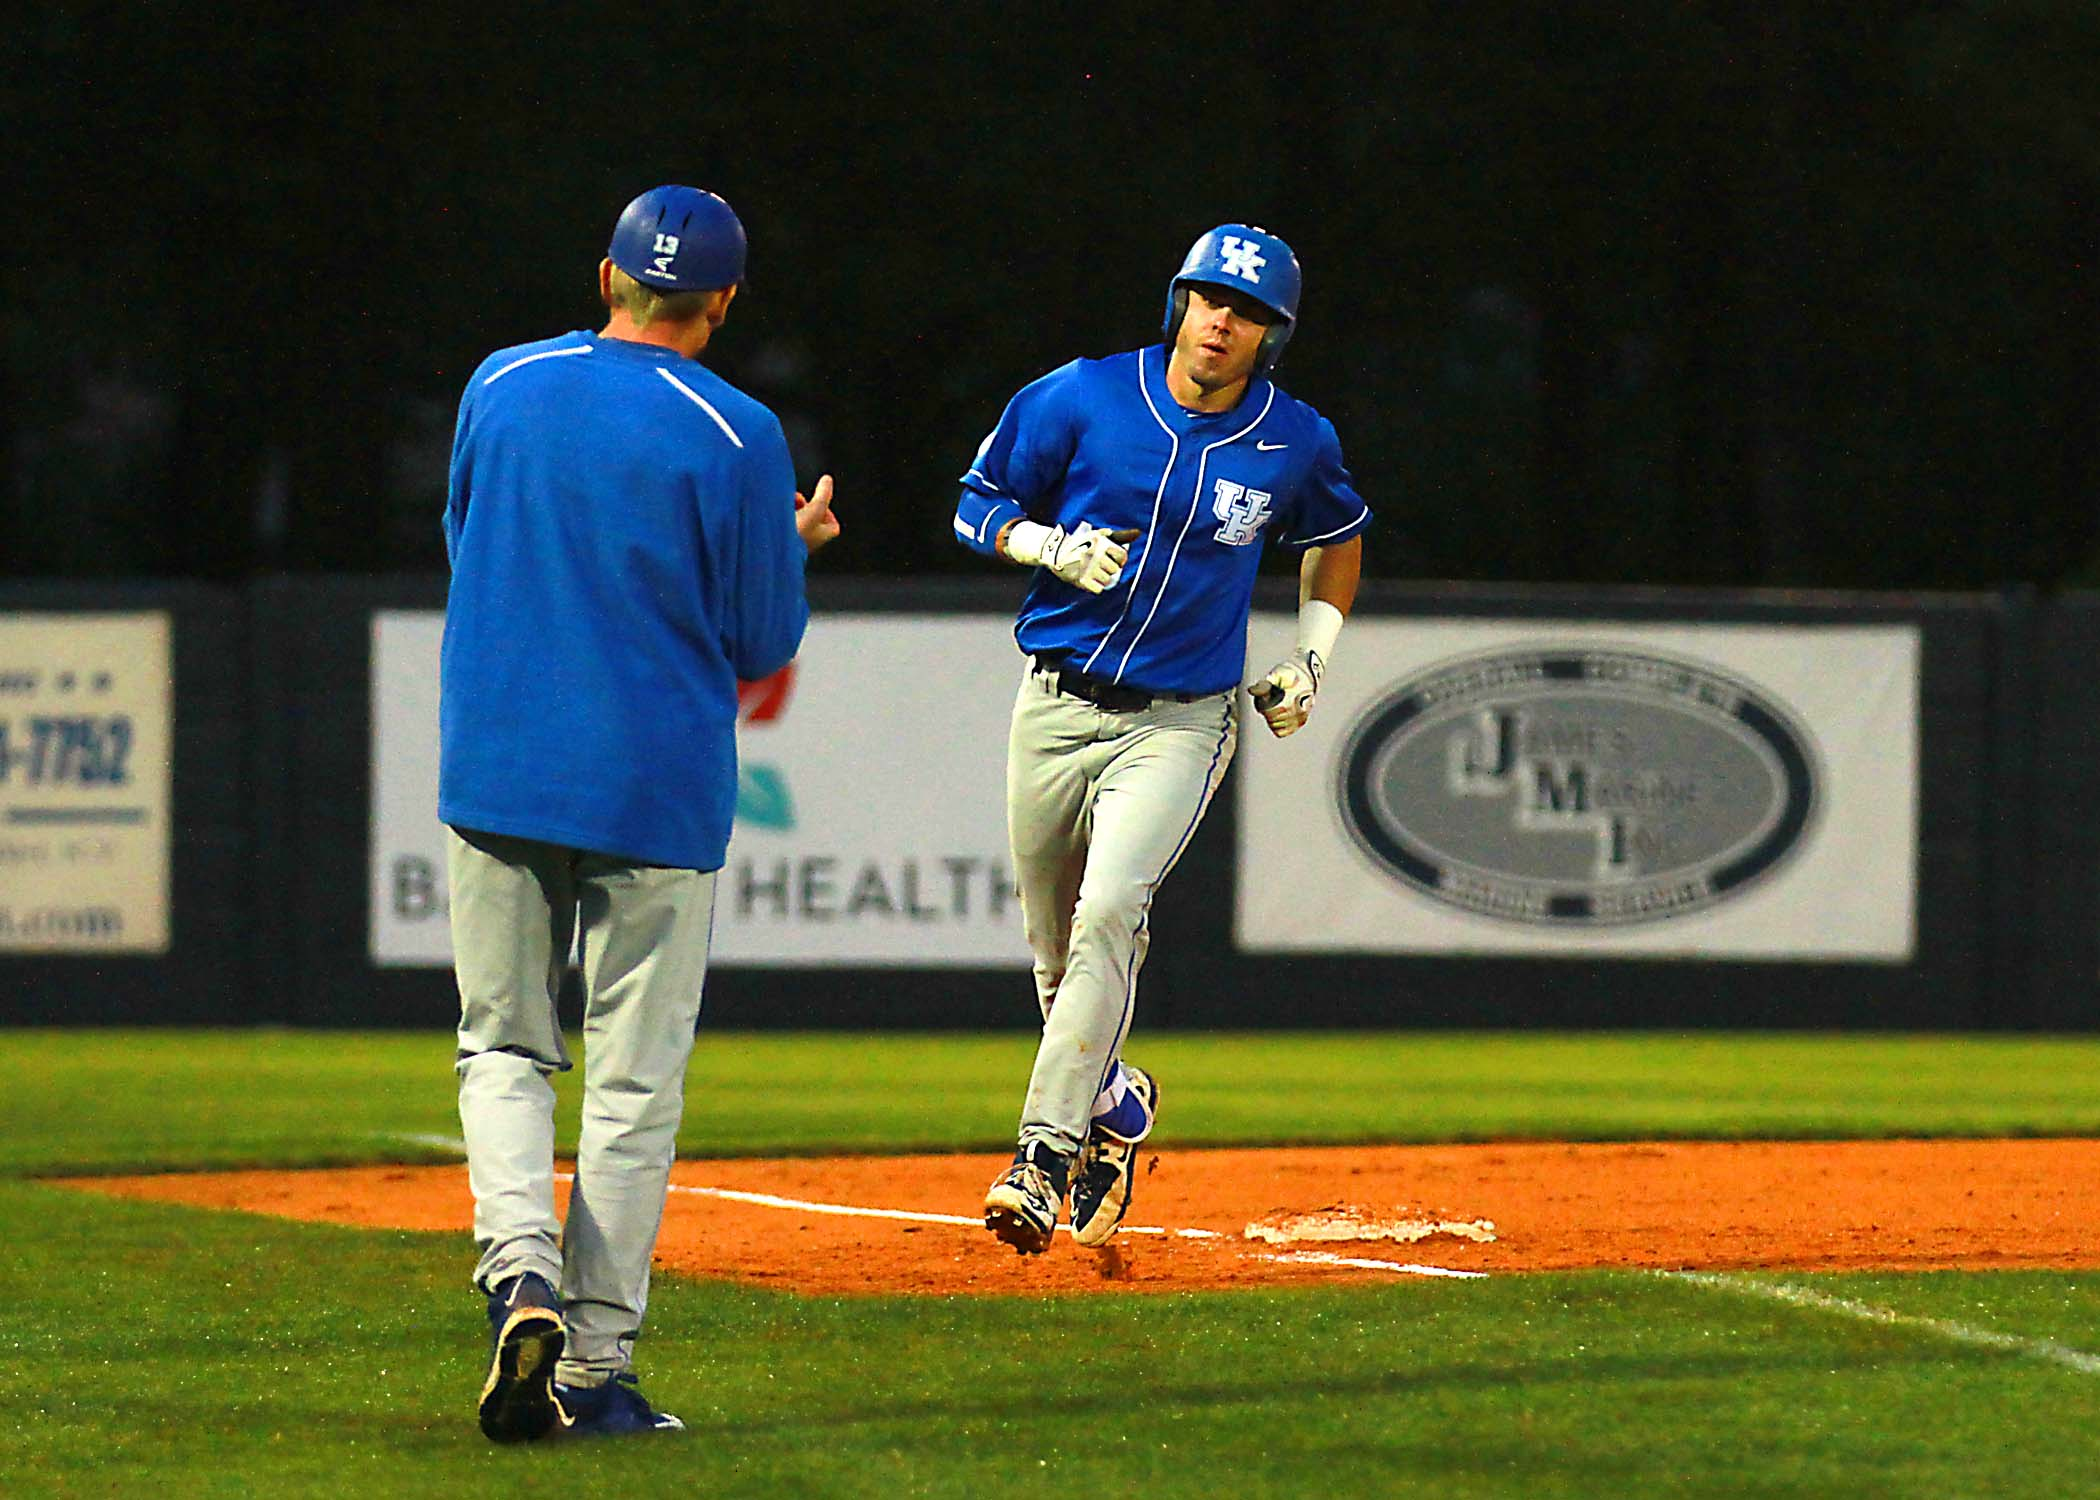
[[813, 517]]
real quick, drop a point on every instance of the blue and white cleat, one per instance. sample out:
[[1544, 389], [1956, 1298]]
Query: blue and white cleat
[[1101, 1190], [1023, 1205], [526, 1335], [615, 1409]]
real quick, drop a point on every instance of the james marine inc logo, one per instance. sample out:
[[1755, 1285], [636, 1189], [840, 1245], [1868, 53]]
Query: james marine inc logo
[[1578, 786]]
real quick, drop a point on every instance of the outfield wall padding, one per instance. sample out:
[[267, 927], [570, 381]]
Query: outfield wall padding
[[273, 745], [207, 974]]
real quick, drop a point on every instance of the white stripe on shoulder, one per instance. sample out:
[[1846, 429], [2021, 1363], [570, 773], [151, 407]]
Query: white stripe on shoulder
[[1323, 536], [702, 402], [528, 359], [978, 475]]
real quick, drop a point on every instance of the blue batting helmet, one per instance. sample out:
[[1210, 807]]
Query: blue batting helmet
[[1252, 261], [679, 239]]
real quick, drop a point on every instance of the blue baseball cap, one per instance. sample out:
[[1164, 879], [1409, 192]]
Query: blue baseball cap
[[679, 239]]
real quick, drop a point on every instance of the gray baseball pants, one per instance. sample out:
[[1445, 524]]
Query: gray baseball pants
[[1099, 806], [517, 906]]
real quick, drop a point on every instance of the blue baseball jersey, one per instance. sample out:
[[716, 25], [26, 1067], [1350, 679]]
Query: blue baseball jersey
[[621, 528], [1104, 441]]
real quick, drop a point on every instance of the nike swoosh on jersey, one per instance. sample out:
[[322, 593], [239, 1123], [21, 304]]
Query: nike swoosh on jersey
[[1262, 447]]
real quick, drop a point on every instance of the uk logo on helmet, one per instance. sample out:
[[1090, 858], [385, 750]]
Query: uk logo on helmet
[[1241, 258]]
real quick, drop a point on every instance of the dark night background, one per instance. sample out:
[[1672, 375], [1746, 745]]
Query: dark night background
[[1774, 294]]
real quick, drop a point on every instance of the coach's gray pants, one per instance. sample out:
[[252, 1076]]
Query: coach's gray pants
[[1099, 806], [516, 906]]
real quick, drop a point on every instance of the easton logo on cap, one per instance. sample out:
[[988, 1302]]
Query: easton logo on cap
[[1572, 786], [665, 248]]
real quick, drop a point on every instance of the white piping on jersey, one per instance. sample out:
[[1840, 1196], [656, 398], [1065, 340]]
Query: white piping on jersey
[[701, 402], [1173, 452], [1195, 504], [1323, 536], [528, 359], [978, 475]]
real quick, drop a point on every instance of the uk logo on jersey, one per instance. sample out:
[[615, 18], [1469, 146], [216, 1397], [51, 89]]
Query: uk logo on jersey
[[1243, 511], [1241, 258]]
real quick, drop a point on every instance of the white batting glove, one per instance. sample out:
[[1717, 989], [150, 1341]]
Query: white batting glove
[[1285, 694], [1086, 557]]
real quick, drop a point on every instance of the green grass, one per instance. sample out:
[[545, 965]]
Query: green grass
[[145, 1100], [154, 1350], [202, 1354]]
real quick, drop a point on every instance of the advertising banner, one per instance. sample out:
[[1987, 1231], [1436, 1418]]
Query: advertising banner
[[1621, 790], [85, 766], [871, 802]]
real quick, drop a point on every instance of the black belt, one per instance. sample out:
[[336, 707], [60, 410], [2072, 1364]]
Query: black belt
[[1111, 696]]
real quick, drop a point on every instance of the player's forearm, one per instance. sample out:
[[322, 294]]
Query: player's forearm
[[1331, 574], [1021, 541], [1327, 582]]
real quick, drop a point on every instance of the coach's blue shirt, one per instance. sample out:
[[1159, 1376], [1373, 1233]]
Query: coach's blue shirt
[[621, 528], [1104, 441]]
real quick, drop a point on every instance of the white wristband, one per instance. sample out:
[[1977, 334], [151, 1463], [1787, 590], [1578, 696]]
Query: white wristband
[[1319, 624], [1024, 542]]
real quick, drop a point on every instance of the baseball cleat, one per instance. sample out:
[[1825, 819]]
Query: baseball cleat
[[1022, 1207], [528, 1335], [1107, 1167], [615, 1409]]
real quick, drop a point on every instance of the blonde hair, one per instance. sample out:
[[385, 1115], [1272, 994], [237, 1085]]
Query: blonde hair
[[646, 305]]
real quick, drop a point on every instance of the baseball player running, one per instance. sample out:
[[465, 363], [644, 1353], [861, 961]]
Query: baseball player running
[[626, 542], [1140, 489]]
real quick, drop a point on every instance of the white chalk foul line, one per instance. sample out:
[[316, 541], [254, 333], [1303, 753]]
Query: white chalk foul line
[[843, 1210], [2047, 1350], [1360, 1263], [854, 1211], [431, 1142], [1297, 1257]]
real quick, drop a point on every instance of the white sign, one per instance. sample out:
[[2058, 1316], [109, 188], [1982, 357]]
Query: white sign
[[85, 763], [871, 806], [406, 864], [1546, 787]]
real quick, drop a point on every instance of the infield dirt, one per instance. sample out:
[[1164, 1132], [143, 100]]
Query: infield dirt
[[1836, 1205]]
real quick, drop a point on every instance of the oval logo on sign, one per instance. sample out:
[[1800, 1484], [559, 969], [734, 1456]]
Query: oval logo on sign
[[1578, 786]]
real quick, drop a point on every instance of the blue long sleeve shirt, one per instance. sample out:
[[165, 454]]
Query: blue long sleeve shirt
[[621, 531]]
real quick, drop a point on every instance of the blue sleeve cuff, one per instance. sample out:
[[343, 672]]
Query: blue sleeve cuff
[[979, 518]]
